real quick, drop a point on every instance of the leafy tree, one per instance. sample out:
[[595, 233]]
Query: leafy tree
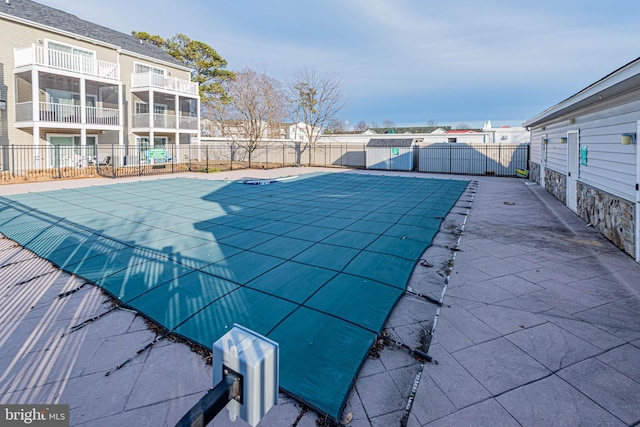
[[208, 67]]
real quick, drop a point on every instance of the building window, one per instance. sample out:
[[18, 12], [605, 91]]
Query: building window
[[61, 47], [142, 68]]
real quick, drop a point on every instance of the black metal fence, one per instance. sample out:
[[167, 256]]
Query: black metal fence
[[29, 163], [22, 163]]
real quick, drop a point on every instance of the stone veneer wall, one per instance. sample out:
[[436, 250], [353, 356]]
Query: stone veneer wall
[[610, 215], [556, 184], [534, 172]]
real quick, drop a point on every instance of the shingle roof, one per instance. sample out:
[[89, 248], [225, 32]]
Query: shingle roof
[[389, 142], [60, 20]]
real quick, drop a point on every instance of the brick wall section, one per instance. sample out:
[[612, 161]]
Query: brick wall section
[[610, 215], [556, 184]]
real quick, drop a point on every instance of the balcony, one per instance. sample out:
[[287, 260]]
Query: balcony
[[164, 121], [174, 84], [54, 59], [66, 113]]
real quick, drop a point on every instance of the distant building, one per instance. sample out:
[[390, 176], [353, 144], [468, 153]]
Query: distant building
[[213, 132], [435, 134], [584, 151]]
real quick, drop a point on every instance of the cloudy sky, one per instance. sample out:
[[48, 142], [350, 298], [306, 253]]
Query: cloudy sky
[[409, 61]]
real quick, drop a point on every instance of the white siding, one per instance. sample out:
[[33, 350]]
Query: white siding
[[611, 166]]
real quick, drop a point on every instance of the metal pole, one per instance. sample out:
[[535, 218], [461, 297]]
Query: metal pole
[[58, 160]]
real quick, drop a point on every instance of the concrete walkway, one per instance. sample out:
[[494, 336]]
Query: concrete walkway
[[541, 326], [542, 323]]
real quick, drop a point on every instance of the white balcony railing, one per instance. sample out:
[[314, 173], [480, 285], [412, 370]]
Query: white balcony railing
[[66, 113], [167, 121], [164, 121], [144, 80], [188, 122], [140, 120], [59, 113], [102, 116], [24, 111], [38, 55]]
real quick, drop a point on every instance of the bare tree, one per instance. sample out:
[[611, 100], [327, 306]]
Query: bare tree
[[254, 112], [335, 125], [361, 126], [389, 124], [464, 125], [432, 123], [316, 99]]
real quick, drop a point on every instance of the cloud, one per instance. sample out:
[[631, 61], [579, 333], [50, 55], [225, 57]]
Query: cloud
[[477, 58]]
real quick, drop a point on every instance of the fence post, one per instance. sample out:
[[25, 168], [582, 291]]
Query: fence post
[[13, 159], [173, 155], [113, 161], [58, 160], [486, 159], [283, 152], [266, 154]]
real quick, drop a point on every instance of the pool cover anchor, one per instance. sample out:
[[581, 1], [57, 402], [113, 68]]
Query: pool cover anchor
[[425, 297], [142, 350], [86, 322], [418, 353], [72, 291]]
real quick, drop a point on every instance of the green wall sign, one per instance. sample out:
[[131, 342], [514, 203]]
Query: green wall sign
[[157, 153], [395, 151], [584, 151]]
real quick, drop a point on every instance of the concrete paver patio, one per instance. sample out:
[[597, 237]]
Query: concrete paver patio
[[541, 326]]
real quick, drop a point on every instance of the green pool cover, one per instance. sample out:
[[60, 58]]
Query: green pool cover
[[316, 263]]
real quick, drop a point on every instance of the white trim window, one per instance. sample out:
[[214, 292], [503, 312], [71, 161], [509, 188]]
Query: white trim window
[[139, 68]]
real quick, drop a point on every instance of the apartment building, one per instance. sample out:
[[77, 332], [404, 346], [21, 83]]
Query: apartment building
[[68, 82]]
